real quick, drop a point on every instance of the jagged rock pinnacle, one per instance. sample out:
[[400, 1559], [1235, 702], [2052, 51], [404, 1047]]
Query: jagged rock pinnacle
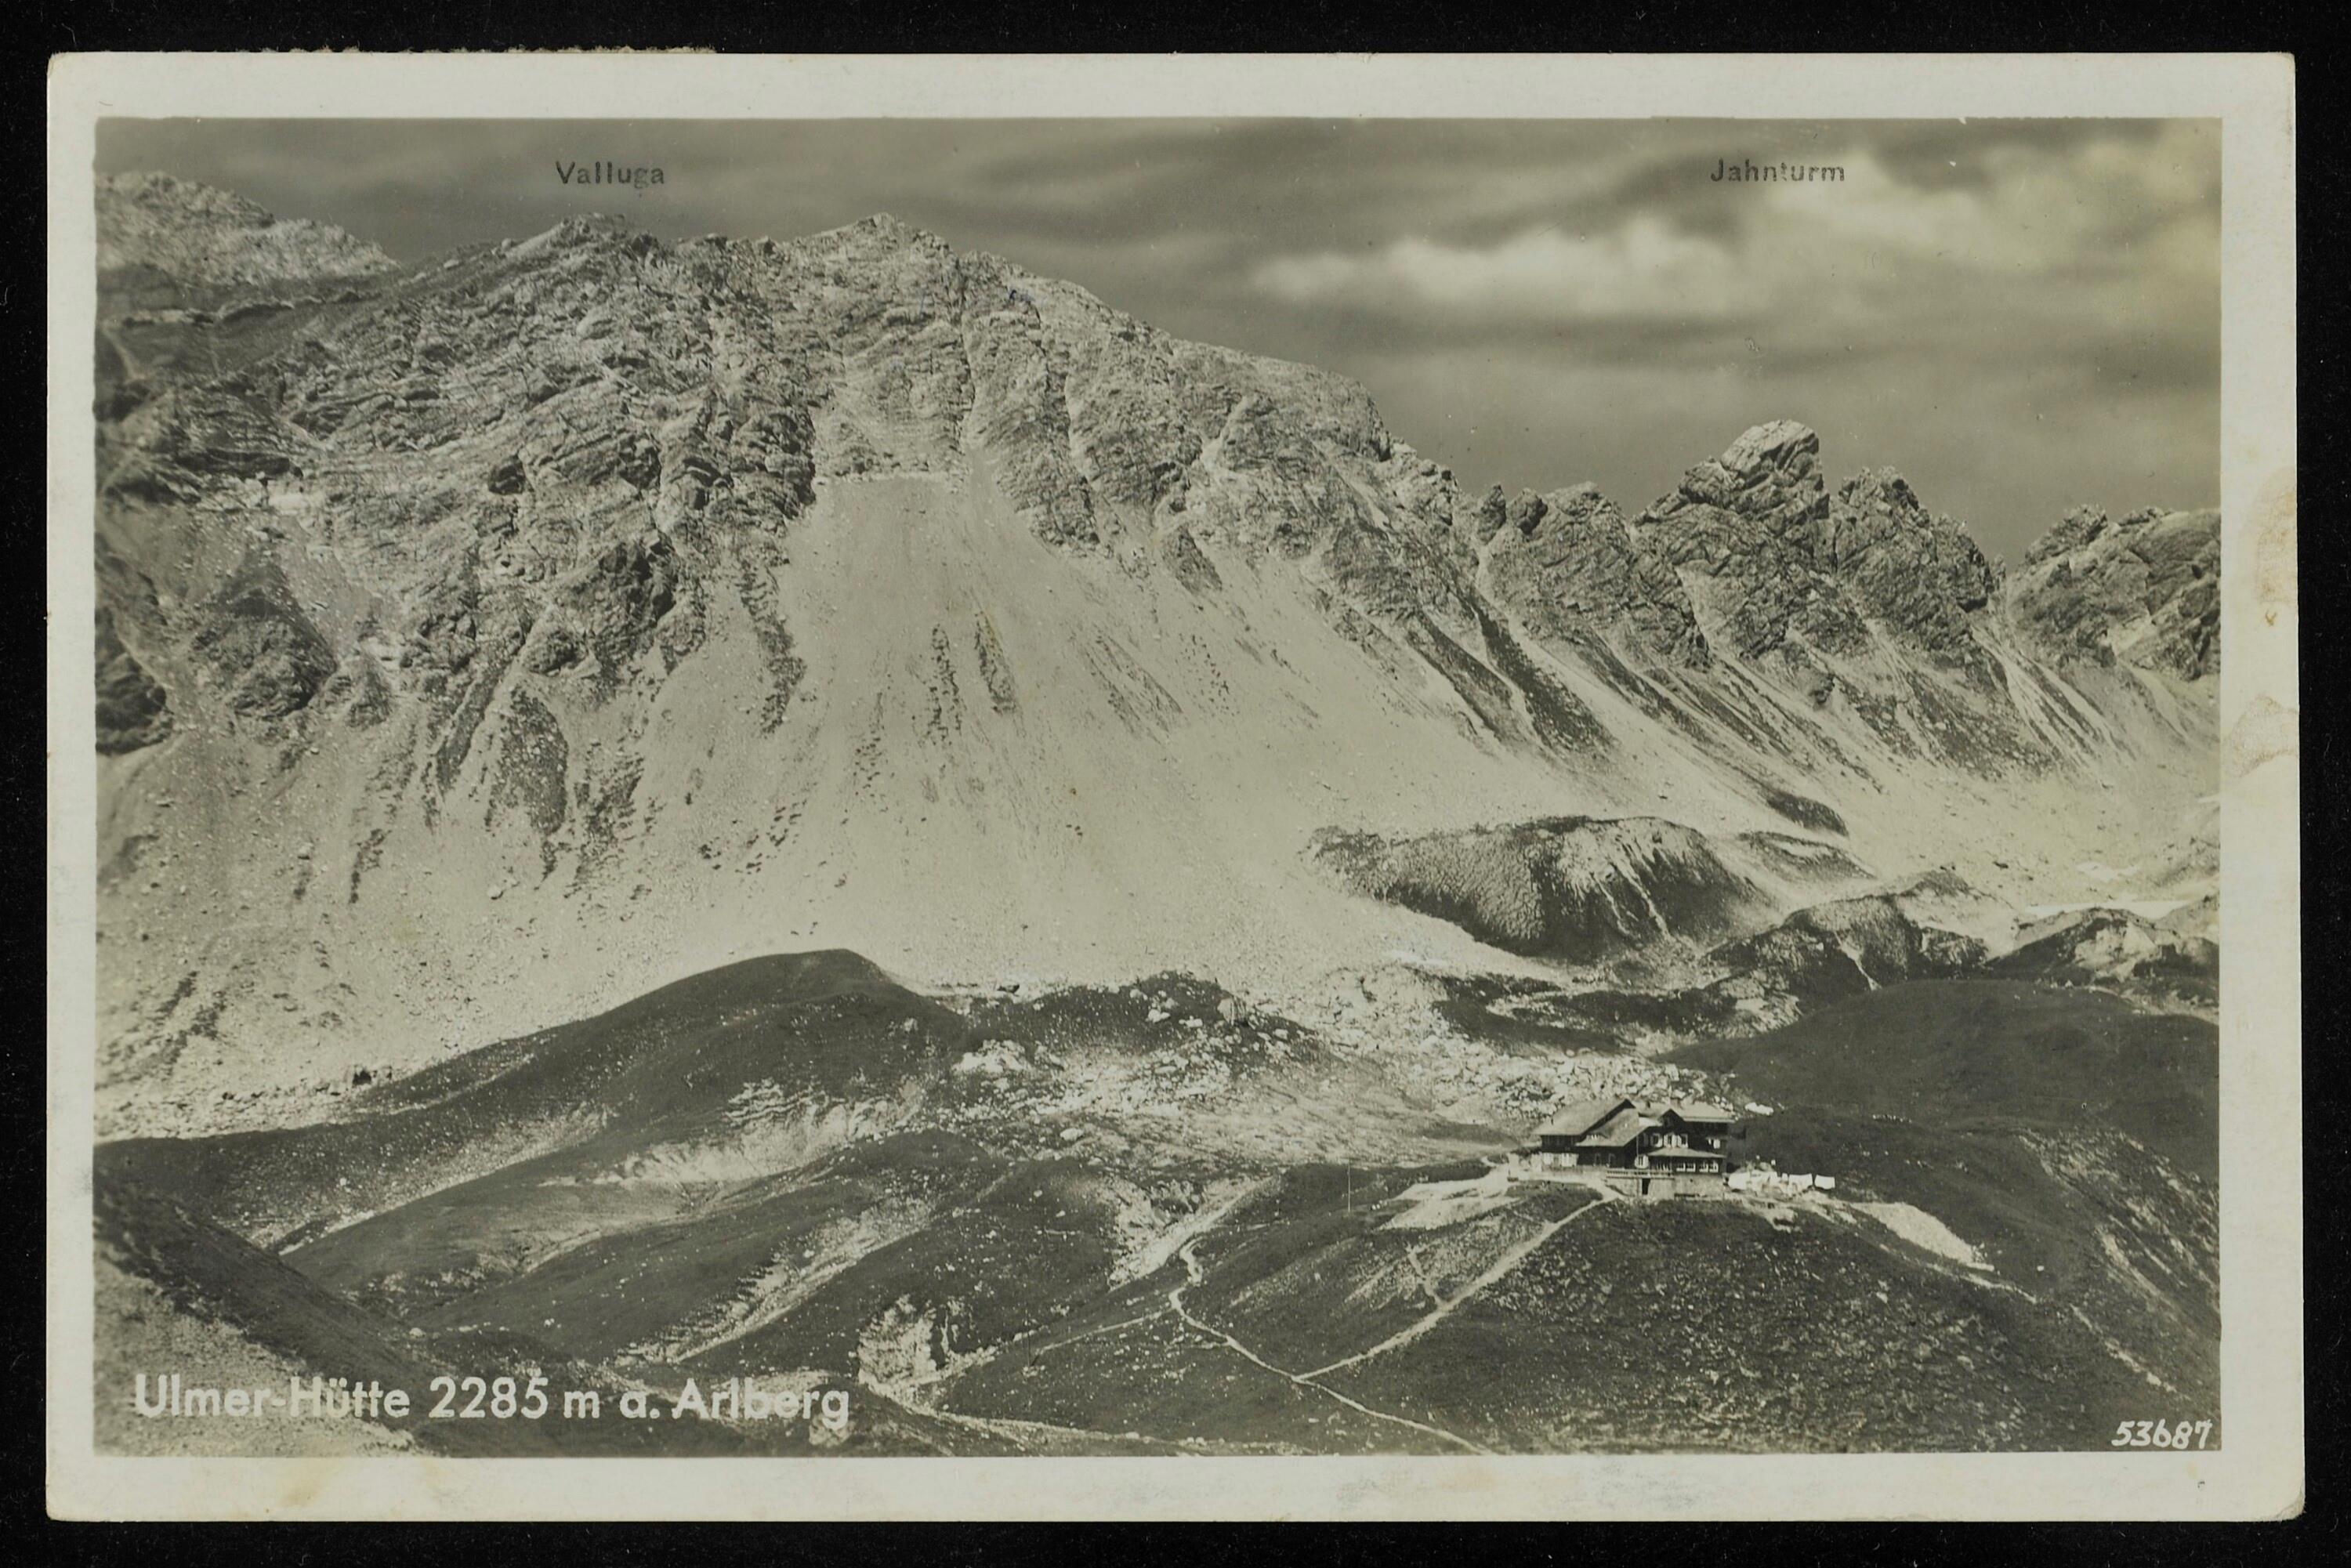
[[1772, 446]]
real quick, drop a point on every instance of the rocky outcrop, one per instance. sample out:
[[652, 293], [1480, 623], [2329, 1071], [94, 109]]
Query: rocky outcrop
[[1791, 570], [1569, 567], [1574, 889], [134, 710], [619, 601], [262, 652], [2144, 590], [1837, 949], [2115, 948], [1917, 574], [1744, 525], [195, 233]]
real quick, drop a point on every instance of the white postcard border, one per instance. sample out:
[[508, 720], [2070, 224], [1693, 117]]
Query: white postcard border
[[2258, 1474]]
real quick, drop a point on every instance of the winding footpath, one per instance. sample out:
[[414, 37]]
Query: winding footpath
[[1192, 1277], [1500, 1269]]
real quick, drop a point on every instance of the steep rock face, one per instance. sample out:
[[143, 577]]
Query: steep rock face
[[1918, 574], [1861, 603], [2144, 590], [561, 450], [260, 650], [708, 385], [1801, 573], [1744, 525], [1568, 566], [134, 710]]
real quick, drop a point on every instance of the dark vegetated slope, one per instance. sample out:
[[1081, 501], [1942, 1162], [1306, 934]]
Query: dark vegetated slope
[[1961, 1052], [2069, 1138], [211, 1276], [438, 1249], [1322, 1192], [1699, 1325], [723, 1018], [663, 1067], [1299, 1271], [687, 1280], [2054, 1209], [1140, 1367], [1662, 1325], [1022, 1253], [1326, 1286], [205, 1271]]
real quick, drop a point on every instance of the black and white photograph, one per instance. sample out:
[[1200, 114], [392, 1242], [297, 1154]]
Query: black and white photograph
[[1214, 787]]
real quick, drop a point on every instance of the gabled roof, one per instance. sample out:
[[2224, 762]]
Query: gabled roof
[[1580, 1116], [1611, 1122], [1622, 1128]]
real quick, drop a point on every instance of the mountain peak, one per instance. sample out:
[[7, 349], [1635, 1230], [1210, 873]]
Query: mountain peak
[[155, 189], [197, 234], [890, 231], [1770, 445], [578, 229]]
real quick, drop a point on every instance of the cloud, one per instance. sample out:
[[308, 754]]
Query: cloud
[[2085, 210], [1883, 248], [1643, 269]]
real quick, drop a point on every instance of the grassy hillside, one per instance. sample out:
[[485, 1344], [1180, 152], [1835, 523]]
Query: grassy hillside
[[1962, 1053], [1110, 1220], [1706, 1326], [665, 1069]]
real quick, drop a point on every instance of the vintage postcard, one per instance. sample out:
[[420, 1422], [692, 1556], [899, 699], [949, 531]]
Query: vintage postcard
[[1215, 788]]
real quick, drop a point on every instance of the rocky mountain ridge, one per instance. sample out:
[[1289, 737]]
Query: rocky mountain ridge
[[2143, 591], [509, 632], [194, 235]]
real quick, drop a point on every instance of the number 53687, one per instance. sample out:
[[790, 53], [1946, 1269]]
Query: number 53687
[[2161, 1435]]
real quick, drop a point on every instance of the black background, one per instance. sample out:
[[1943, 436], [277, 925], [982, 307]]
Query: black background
[[921, 26]]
